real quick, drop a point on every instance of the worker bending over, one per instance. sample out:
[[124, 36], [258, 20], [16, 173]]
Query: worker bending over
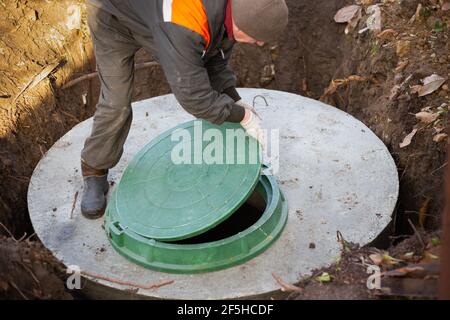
[[192, 40]]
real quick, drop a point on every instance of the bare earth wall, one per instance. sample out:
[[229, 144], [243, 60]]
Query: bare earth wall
[[50, 39]]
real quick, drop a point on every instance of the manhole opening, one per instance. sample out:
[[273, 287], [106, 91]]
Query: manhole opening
[[246, 216]]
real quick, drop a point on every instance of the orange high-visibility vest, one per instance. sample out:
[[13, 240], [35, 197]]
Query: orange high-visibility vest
[[190, 14]]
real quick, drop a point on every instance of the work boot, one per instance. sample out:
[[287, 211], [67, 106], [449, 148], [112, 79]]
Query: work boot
[[93, 202]]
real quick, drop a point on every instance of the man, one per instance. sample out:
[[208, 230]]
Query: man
[[192, 40]]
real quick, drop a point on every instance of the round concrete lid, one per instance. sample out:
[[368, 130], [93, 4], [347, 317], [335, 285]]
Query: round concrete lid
[[179, 185], [335, 172]]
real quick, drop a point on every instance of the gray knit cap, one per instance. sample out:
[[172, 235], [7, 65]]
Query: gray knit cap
[[263, 20]]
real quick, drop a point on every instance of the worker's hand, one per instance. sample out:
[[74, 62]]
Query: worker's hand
[[252, 124], [248, 107]]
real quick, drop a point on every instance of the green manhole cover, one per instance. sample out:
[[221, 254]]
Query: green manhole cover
[[168, 196], [187, 181]]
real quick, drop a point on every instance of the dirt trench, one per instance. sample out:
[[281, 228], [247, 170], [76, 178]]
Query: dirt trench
[[312, 52], [315, 51]]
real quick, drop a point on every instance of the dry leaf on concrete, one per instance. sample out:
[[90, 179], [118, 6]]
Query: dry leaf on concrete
[[408, 139]]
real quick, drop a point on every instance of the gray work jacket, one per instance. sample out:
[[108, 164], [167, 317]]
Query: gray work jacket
[[198, 74]]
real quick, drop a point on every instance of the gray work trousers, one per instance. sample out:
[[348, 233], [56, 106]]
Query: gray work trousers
[[115, 46]]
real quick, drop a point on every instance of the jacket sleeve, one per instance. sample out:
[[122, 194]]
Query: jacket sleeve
[[221, 75], [179, 51]]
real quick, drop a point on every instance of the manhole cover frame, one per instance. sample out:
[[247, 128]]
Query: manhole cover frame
[[205, 257]]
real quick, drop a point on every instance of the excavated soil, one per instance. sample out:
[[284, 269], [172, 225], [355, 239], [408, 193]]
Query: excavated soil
[[45, 41]]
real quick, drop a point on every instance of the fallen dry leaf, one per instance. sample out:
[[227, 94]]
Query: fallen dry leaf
[[402, 272], [446, 6], [415, 89], [431, 256], [395, 91], [401, 66], [376, 258], [324, 277], [426, 117], [356, 78], [383, 257], [351, 25], [416, 14], [403, 47], [408, 256], [440, 137], [374, 20], [439, 128], [423, 212], [335, 84], [386, 34], [347, 13], [408, 139], [431, 84]]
